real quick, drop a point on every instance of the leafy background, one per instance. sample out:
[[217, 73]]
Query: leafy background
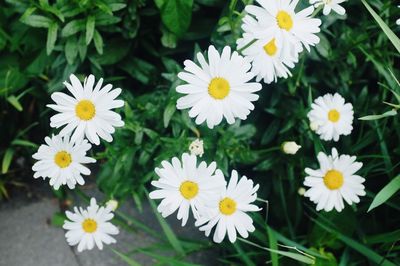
[[140, 46]]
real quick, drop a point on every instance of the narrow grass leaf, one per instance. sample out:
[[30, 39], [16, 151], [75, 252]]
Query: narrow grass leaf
[[389, 33], [7, 158], [125, 258], [386, 192]]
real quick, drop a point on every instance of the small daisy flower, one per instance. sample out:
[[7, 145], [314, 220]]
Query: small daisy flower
[[398, 20], [278, 18], [269, 59], [196, 147], [329, 5], [87, 227], [229, 212], [88, 113], [184, 186], [333, 116], [62, 161], [334, 181], [217, 89]]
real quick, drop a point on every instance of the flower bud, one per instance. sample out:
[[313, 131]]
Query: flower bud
[[290, 147], [112, 204], [196, 148]]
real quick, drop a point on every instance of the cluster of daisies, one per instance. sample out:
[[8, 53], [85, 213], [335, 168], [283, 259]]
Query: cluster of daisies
[[186, 185], [273, 37], [86, 117], [336, 179]]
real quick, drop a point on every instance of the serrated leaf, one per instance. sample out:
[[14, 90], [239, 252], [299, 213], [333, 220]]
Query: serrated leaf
[[51, 37], [389, 190], [90, 24]]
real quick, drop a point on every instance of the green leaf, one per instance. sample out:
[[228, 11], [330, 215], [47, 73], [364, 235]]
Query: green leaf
[[376, 117], [389, 33], [7, 158], [127, 259], [24, 143], [168, 113], [176, 14], [169, 233], [386, 192], [273, 244], [71, 50], [73, 27], [58, 219], [90, 24], [36, 21], [15, 102], [51, 37], [98, 42]]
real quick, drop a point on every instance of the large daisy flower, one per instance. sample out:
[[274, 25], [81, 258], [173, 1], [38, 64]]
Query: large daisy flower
[[229, 211], [278, 18], [219, 88], [62, 161], [90, 226], [331, 116], [184, 186], [334, 181], [88, 113], [329, 5]]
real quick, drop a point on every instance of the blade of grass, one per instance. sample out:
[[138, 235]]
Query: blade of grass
[[125, 258], [273, 244], [369, 253], [299, 257], [385, 193], [243, 255], [389, 33]]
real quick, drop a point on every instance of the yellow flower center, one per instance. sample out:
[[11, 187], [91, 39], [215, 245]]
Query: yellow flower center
[[284, 20], [63, 159], [89, 225], [189, 189], [333, 115], [85, 110], [333, 179], [270, 48], [227, 206], [219, 88]]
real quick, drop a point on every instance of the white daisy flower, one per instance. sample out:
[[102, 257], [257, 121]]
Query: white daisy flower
[[398, 20], [333, 116], [88, 113], [278, 18], [62, 161], [219, 88], [269, 59], [184, 186], [329, 5], [90, 226], [229, 211], [334, 181]]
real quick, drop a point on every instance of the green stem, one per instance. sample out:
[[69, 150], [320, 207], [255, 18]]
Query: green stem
[[246, 46]]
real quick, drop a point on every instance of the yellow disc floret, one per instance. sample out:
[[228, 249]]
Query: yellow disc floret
[[270, 48], [284, 20], [189, 189], [62, 159], [333, 179], [85, 110], [227, 206], [333, 115], [89, 225], [218, 88]]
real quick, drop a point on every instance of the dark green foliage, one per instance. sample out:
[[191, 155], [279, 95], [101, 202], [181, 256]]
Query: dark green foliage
[[140, 46]]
